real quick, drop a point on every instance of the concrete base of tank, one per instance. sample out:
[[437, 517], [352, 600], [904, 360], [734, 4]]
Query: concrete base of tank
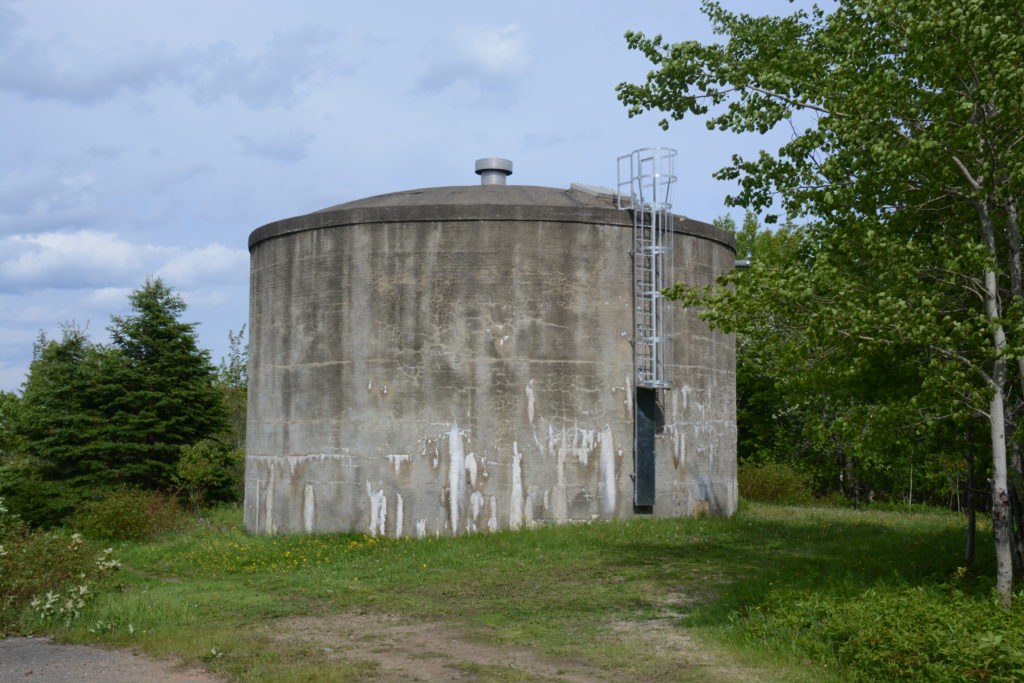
[[422, 377]]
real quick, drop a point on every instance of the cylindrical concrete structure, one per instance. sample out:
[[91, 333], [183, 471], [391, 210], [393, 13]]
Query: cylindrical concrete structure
[[456, 359]]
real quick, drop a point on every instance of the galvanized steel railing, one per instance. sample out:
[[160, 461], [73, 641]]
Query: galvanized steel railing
[[645, 179]]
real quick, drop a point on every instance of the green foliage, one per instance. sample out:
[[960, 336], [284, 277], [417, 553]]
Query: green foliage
[[49, 572], [233, 380], [775, 482], [209, 472], [891, 327], [167, 395], [93, 417], [63, 417], [899, 633], [129, 514], [38, 501], [11, 442]]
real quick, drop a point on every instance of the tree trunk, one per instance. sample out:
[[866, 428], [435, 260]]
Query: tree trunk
[[997, 422], [1000, 493]]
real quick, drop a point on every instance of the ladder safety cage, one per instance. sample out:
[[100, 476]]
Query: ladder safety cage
[[645, 179]]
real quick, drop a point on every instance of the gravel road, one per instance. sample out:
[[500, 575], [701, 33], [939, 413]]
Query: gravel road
[[37, 660]]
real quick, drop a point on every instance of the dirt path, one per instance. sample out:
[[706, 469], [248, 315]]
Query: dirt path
[[37, 660], [402, 649], [410, 650]]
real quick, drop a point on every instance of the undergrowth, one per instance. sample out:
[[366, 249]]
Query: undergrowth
[[899, 632], [51, 575]]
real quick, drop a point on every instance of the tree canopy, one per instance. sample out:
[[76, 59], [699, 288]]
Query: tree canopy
[[98, 416], [905, 165]]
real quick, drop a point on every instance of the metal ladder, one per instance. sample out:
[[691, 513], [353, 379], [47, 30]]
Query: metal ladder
[[645, 179]]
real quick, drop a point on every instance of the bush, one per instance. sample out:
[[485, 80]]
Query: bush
[[38, 502], [898, 633], [47, 570], [774, 482], [130, 515], [209, 472]]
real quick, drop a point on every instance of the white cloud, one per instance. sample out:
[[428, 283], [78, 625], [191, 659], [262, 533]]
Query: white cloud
[[492, 61], [59, 69], [213, 263], [47, 198], [87, 259]]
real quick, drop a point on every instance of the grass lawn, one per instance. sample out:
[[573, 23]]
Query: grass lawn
[[774, 593]]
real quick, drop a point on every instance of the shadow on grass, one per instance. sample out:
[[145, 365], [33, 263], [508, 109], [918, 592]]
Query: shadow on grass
[[736, 563]]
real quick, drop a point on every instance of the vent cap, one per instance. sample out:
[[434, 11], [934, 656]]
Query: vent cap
[[493, 171]]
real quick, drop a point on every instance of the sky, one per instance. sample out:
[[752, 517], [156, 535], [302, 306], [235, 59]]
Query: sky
[[150, 138]]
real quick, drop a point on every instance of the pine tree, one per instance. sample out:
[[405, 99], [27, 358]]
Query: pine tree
[[167, 395], [62, 417]]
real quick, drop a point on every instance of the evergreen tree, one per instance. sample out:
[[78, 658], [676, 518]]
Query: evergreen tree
[[167, 395], [62, 419]]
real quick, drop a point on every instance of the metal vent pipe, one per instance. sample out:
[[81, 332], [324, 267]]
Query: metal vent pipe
[[493, 171]]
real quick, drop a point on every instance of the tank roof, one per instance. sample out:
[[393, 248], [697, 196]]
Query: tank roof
[[477, 202]]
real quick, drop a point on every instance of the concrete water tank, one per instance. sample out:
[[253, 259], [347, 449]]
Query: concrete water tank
[[457, 359]]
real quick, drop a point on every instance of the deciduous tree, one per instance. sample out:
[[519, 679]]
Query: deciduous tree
[[906, 160]]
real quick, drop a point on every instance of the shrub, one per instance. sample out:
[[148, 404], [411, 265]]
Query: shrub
[[47, 570], [896, 633], [38, 502], [774, 482], [129, 514], [209, 472]]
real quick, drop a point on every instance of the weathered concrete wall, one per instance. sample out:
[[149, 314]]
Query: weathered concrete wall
[[458, 359]]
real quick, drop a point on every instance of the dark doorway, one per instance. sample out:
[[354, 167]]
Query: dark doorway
[[646, 422]]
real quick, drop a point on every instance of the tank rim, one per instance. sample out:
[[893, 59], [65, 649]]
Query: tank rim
[[493, 203]]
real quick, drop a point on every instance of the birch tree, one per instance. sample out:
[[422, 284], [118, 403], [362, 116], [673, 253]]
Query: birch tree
[[906, 163]]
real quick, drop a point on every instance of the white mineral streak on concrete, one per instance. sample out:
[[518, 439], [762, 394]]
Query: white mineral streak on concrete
[[378, 510], [421, 528], [530, 405], [606, 473], [471, 468], [271, 485], [531, 497], [559, 508], [437, 457], [256, 497], [399, 514], [515, 500], [294, 461], [678, 434], [492, 521], [476, 503], [396, 460], [629, 396], [369, 385], [308, 509], [384, 389], [584, 443], [575, 441], [456, 476]]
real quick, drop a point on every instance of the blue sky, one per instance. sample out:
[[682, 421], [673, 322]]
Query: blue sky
[[153, 137]]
